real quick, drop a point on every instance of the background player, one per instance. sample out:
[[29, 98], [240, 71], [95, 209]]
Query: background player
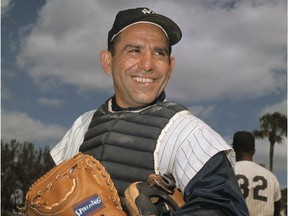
[[259, 186]]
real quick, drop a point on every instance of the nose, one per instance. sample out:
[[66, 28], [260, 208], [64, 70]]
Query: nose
[[146, 62]]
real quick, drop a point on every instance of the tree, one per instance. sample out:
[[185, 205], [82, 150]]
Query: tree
[[272, 126], [21, 165], [284, 200]]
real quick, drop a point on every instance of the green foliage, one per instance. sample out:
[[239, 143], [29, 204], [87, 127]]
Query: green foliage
[[21, 165], [284, 200], [274, 127]]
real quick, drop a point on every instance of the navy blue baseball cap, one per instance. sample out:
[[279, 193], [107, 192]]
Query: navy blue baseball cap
[[126, 18], [243, 140]]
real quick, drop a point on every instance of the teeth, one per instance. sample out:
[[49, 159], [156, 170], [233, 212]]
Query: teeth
[[143, 80]]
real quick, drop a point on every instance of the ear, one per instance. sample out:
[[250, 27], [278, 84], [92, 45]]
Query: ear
[[106, 59]]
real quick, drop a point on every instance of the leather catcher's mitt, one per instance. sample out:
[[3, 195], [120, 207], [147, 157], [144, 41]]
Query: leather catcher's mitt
[[79, 186], [154, 197]]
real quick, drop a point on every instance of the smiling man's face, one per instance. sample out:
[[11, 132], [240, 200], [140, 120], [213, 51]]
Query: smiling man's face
[[141, 66]]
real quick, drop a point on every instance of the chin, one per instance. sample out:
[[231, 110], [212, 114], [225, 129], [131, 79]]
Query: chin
[[144, 101]]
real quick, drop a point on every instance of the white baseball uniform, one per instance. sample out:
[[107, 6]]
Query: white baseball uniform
[[183, 147], [259, 187]]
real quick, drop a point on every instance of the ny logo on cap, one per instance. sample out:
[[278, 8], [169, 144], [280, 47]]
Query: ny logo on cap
[[147, 11]]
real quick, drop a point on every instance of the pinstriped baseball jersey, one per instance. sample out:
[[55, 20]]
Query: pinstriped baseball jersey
[[185, 144], [259, 187]]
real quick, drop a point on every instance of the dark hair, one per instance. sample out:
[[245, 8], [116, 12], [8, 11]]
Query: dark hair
[[243, 141], [112, 45]]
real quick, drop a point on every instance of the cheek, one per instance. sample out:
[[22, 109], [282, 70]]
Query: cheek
[[122, 67], [166, 71], [122, 64], [119, 74]]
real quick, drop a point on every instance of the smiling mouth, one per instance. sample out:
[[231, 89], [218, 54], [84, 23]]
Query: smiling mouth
[[142, 80]]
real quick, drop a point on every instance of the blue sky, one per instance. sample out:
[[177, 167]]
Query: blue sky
[[230, 65]]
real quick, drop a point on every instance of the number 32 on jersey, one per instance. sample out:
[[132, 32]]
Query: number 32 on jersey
[[247, 190]]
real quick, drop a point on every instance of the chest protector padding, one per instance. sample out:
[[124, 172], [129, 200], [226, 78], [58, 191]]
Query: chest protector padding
[[124, 141]]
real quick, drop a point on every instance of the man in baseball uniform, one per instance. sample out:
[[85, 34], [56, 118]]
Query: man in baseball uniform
[[259, 186], [137, 131]]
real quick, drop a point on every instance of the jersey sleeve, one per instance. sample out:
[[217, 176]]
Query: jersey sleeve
[[70, 143], [185, 145], [214, 191]]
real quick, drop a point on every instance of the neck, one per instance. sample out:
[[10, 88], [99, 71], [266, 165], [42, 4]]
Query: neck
[[243, 156]]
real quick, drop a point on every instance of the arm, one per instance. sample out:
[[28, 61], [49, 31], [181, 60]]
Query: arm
[[70, 143], [277, 197], [214, 191], [201, 162], [277, 208]]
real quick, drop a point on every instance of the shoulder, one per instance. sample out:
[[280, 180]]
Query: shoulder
[[192, 132], [69, 144], [82, 122], [252, 167], [193, 126], [86, 115]]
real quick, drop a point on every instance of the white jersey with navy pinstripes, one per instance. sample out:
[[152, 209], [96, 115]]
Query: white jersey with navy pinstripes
[[185, 144], [259, 187]]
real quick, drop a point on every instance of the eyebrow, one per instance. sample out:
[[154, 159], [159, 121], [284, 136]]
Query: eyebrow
[[133, 46]]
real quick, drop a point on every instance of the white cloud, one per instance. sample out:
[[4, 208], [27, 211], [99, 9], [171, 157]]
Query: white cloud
[[262, 153], [280, 158], [5, 7], [5, 93], [5, 3], [52, 102], [224, 53], [203, 112], [64, 46], [280, 107], [20, 126], [229, 53]]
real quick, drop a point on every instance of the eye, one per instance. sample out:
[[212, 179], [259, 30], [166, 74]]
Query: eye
[[131, 49], [134, 50], [161, 52]]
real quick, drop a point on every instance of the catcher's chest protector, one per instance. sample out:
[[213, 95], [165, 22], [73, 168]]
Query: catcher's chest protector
[[125, 141]]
